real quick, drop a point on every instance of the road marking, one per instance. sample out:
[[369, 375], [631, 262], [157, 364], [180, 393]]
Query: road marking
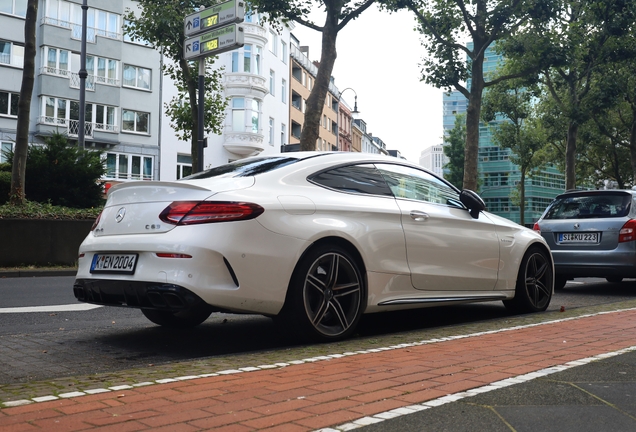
[[57, 308]]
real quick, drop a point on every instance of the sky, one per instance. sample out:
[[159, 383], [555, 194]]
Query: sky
[[379, 56]]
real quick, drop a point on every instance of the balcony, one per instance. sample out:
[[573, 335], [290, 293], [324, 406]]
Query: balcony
[[246, 84], [73, 126], [74, 79], [243, 143]]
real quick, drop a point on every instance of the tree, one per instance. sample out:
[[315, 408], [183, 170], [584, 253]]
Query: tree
[[454, 151], [160, 23], [338, 14], [451, 63], [571, 48], [17, 194], [510, 107]]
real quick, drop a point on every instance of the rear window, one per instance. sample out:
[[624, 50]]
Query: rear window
[[589, 206], [244, 167]]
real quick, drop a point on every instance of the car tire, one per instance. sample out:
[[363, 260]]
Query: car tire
[[182, 319], [533, 291], [614, 279], [326, 295], [559, 283]]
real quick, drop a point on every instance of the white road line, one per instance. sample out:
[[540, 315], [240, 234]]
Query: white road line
[[57, 308]]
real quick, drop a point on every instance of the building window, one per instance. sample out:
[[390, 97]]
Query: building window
[[184, 166], [271, 131], [5, 148], [128, 167], [135, 121], [238, 114], [9, 103], [283, 52], [283, 91], [247, 59], [295, 129], [296, 100], [14, 7], [272, 82], [11, 54], [128, 38], [57, 61], [272, 43], [283, 134], [137, 77], [256, 114]]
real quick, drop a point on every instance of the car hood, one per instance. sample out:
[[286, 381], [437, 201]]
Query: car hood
[[134, 208]]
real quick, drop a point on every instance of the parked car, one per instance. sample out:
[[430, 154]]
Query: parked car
[[312, 239], [591, 234]]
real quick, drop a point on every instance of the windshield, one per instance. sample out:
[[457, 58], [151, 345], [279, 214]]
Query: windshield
[[244, 168], [589, 206]]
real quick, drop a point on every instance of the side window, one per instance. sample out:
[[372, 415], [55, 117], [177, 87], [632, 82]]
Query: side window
[[411, 183], [365, 179]]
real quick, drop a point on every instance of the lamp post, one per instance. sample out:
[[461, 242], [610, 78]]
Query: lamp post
[[355, 110], [82, 76]]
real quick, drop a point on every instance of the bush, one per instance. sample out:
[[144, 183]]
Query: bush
[[63, 175], [5, 186]]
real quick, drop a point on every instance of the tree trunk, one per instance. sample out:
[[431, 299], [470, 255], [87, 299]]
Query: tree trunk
[[17, 194], [316, 101], [632, 145], [570, 156], [522, 198], [193, 86], [473, 113]]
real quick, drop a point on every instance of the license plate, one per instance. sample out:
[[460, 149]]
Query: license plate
[[114, 263], [578, 237]]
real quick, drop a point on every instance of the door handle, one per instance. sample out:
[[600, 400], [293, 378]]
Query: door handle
[[419, 216]]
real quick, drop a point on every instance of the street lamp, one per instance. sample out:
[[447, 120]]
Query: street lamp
[[355, 110], [82, 75]]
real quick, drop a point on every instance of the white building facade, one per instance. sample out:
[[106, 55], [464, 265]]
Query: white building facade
[[434, 159], [256, 83]]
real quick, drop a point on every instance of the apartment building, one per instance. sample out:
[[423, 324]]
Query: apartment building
[[345, 120], [122, 90], [302, 76]]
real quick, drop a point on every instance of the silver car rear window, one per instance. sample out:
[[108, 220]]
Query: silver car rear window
[[586, 206]]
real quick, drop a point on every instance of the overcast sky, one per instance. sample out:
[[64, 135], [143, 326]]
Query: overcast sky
[[379, 57]]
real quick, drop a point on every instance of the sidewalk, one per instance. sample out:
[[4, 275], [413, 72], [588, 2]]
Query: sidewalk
[[337, 392]]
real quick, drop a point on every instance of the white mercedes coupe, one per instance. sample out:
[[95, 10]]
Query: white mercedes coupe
[[312, 239]]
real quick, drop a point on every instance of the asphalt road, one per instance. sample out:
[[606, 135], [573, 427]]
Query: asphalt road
[[46, 345]]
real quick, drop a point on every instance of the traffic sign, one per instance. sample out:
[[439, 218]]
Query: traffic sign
[[232, 11], [214, 42]]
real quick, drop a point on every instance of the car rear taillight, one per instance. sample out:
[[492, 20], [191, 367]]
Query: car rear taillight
[[201, 212], [628, 232], [99, 216], [536, 227]]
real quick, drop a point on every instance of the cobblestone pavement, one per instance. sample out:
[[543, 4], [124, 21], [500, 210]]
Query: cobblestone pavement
[[338, 387]]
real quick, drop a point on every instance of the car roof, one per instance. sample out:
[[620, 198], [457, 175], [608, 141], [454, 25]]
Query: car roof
[[580, 192]]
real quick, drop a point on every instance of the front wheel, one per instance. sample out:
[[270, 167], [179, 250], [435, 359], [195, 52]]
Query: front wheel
[[326, 294], [533, 291], [182, 319]]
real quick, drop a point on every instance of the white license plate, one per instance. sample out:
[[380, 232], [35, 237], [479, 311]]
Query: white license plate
[[578, 237], [114, 263]]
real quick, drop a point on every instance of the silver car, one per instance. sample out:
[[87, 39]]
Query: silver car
[[591, 234]]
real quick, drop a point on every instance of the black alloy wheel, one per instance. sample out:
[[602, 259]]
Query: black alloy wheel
[[534, 283], [326, 294]]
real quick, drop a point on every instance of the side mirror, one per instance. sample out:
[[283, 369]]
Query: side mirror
[[473, 201]]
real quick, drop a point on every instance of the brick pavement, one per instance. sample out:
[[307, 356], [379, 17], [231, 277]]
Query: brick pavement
[[329, 391]]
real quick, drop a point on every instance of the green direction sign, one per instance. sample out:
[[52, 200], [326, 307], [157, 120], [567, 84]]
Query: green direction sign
[[214, 42], [213, 17]]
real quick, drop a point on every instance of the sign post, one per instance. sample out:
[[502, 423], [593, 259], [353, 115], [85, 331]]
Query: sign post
[[211, 31]]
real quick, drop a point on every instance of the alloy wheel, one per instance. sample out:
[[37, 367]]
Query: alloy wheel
[[538, 280]]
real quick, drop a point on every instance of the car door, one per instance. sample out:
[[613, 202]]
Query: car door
[[447, 249]]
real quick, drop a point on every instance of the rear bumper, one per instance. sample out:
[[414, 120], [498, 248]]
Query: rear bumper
[[135, 294], [602, 264]]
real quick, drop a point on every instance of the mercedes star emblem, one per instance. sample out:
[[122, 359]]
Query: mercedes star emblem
[[120, 214]]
